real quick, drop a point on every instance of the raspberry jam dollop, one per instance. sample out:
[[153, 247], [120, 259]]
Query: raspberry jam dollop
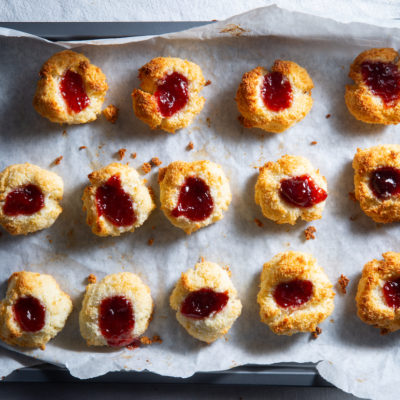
[[114, 203], [195, 201], [302, 191], [276, 91], [29, 313], [391, 292], [172, 94], [116, 321], [204, 302], [385, 182], [293, 293], [383, 79], [73, 92], [24, 200]]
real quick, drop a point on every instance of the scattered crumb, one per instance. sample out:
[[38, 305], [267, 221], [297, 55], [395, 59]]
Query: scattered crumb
[[111, 113], [227, 269], [331, 320], [101, 146], [343, 281], [317, 332], [121, 154], [48, 238], [208, 122], [202, 259], [146, 167], [157, 339], [153, 227], [150, 242], [82, 147], [155, 161], [258, 222], [133, 155], [384, 331], [92, 278], [352, 196], [190, 146], [146, 340], [313, 143], [58, 160], [64, 132], [208, 83], [327, 116], [353, 217], [309, 232], [233, 29]]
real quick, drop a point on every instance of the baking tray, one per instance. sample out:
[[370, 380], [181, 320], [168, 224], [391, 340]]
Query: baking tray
[[282, 374]]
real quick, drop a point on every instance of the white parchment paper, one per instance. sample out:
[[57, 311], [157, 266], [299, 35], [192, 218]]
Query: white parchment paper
[[353, 356]]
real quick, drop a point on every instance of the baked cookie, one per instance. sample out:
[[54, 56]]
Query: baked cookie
[[70, 89], [378, 293], [206, 302], [276, 100], [117, 200], [377, 182], [169, 98], [193, 194], [29, 198], [374, 96], [291, 188], [115, 311], [295, 293], [34, 310]]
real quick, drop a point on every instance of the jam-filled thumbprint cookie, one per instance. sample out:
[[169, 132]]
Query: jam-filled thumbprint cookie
[[29, 198], [169, 96], [378, 294], [193, 194], [377, 182], [291, 188], [206, 302], [116, 201], [295, 293], [116, 310], [70, 90], [374, 96], [34, 310], [275, 100]]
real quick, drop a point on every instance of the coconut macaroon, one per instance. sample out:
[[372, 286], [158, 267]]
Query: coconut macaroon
[[378, 293], [116, 201], [206, 302], [70, 89], [291, 188], [295, 293], [193, 194], [169, 96], [377, 182], [29, 198], [116, 310], [276, 100], [34, 310], [374, 96]]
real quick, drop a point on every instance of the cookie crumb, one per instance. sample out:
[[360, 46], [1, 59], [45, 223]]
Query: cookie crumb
[[258, 222], [309, 232], [156, 339], [317, 332], [327, 116], [150, 242], [190, 146], [146, 340], [313, 143], [343, 281], [92, 278], [133, 155], [208, 83], [146, 167], [49, 238], [155, 161], [58, 160], [82, 147], [64, 132], [121, 154], [208, 120], [202, 259], [111, 113], [352, 196], [353, 217], [384, 331]]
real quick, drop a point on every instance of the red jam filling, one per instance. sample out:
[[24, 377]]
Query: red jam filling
[[29, 313], [204, 302], [383, 79], [114, 203], [195, 201], [385, 182], [24, 200], [293, 293], [172, 94], [73, 92], [302, 191], [276, 91], [391, 292], [116, 321]]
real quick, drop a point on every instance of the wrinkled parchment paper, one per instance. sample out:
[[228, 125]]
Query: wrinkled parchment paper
[[352, 355]]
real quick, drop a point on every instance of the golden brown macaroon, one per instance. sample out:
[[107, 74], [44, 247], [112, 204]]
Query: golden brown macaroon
[[374, 96], [275, 115], [295, 293], [378, 294], [206, 302], [29, 198], [116, 310], [165, 83], [34, 310], [377, 182], [70, 89], [272, 191], [193, 194], [117, 200]]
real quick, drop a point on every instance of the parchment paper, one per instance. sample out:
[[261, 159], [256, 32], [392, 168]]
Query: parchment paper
[[354, 356]]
